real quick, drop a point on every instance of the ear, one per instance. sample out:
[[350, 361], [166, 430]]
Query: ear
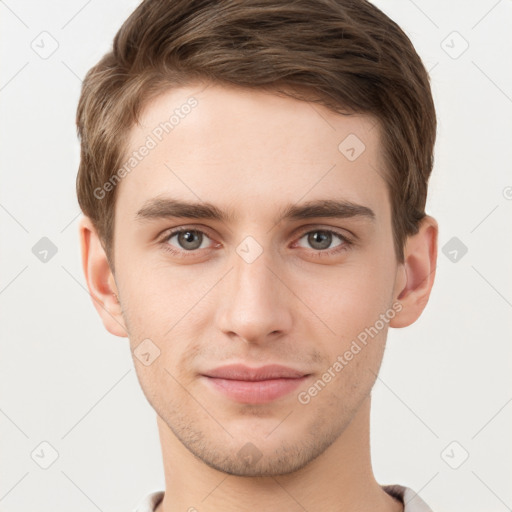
[[415, 276], [100, 280]]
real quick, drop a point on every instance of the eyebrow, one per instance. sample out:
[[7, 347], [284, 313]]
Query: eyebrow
[[162, 208]]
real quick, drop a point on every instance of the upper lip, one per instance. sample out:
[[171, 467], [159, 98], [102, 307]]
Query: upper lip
[[242, 372]]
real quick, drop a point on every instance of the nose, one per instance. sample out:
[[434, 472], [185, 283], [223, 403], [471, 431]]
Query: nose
[[255, 304]]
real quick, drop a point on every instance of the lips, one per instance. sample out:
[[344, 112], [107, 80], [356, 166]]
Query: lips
[[241, 372], [254, 385]]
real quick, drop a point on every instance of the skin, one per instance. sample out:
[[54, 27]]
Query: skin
[[253, 152]]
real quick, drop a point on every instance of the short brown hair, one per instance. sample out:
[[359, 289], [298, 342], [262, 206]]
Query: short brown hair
[[347, 54]]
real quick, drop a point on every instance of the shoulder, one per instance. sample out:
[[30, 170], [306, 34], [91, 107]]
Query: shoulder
[[411, 500], [149, 502]]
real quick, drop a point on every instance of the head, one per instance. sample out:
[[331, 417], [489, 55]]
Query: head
[[269, 117]]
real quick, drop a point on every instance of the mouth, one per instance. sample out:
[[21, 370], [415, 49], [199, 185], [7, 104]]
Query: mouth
[[254, 385]]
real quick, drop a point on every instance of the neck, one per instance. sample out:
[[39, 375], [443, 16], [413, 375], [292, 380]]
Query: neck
[[341, 478]]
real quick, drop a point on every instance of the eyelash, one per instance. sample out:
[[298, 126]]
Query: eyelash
[[347, 243]]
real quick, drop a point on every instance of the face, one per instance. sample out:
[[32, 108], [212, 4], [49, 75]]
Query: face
[[258, 278]]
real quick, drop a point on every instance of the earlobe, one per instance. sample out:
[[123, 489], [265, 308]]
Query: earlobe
[[100, 280], [416, 276]]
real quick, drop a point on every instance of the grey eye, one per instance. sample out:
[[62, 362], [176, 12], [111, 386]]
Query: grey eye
[[188, 239], [320, 239]]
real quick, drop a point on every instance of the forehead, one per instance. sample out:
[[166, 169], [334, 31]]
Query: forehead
[[241, 148]]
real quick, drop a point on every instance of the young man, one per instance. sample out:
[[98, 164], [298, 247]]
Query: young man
[[253, 177]]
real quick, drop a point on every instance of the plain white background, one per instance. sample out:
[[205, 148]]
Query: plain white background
[[444, 392]]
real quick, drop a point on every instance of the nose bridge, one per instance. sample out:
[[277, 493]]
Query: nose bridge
[[251, 273], [254, 302]]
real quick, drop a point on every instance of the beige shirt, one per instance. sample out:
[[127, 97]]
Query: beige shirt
[[412, 502]]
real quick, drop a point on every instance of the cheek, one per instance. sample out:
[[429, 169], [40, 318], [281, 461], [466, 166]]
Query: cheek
[[351, 299], [150, 295]]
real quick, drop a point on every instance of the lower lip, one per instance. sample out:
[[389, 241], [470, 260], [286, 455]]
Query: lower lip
[[255, 392]]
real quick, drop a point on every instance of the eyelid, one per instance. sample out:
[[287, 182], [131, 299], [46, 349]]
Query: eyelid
[[171, 232], [346, 242], [343, 233], [299, 232], [167, 233]]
